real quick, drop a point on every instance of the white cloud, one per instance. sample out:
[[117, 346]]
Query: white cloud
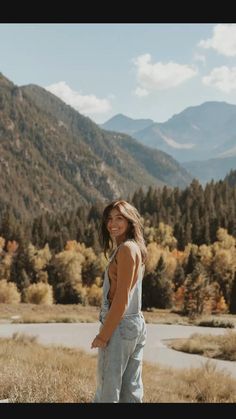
[[160, 76], [86, 104], [223, 39], [199, 57], [139, 91], [223, 78]]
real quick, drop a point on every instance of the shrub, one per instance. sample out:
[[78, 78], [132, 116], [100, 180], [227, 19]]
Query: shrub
[[215, 323], [8, 292], [94, 295], [80, 293], [39, 293]]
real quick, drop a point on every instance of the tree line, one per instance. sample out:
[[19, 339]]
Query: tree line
[[190, 236]]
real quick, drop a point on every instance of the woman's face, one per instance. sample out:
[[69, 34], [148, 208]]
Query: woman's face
[[117, 225]]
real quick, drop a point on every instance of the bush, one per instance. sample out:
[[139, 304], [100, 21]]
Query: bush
[[39, 293], [81, 294], [9, 293], [94, 294]]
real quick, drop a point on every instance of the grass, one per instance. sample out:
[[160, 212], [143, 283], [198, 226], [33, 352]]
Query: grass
[[70, 313], [219, 347], [56, 313], [33, 373], [215, 322], [73, 313]]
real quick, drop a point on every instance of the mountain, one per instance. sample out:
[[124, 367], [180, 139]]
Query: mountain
[[53, 158], [197, 133], [207, 170], [122, 123]]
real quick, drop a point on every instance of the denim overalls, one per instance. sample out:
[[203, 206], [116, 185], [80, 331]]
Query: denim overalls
[[119, 372]]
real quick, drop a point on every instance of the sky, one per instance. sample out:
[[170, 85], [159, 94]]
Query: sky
[[145, 70]]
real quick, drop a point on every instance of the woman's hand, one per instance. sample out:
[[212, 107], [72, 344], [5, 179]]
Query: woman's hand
[[98, 343]]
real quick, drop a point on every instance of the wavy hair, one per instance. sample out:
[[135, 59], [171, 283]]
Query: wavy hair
[[134, 231]]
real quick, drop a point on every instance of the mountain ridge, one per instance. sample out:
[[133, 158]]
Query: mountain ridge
[[202, 138], [193, 134], [53, 158]]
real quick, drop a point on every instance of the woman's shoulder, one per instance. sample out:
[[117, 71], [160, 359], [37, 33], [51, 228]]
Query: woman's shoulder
[[129, 247], [129, 244]]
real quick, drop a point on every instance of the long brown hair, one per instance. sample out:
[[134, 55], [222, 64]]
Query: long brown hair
[[135, 227]]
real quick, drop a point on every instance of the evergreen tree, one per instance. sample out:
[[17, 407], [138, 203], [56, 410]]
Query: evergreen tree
[[157, 290], [195, 284], [8, 225], [191, 263], [179, 277], [196, 228]]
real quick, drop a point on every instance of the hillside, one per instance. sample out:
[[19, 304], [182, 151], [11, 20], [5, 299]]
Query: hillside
[[53, 158]]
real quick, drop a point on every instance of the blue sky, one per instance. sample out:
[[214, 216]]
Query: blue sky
[[140, 70]]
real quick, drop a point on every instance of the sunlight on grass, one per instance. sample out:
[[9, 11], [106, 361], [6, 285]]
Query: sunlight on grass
[[32, 373], [220, 347]]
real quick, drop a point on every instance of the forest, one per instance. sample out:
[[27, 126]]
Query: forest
[[190, 236]]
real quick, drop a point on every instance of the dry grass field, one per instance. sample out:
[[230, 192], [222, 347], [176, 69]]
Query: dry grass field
[[219, 347], [32, 373]]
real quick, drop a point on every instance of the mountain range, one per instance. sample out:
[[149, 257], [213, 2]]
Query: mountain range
[[52, 158], [202, 138]]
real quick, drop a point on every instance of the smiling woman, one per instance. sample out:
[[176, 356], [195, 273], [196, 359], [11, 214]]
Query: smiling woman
[[117, 225], [122, 333]]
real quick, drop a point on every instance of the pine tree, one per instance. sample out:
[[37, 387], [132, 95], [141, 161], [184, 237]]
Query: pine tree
[[8, 225], [157, 290], [192, 261], [179, 277]]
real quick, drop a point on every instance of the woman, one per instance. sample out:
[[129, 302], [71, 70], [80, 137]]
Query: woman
[[122, 334]]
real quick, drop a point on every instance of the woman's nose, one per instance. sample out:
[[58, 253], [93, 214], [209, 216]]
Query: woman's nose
[[113, 223]]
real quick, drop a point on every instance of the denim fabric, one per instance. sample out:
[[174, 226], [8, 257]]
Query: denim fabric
[[119, 370]]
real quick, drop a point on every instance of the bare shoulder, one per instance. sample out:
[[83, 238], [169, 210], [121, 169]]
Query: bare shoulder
[[130, 247]]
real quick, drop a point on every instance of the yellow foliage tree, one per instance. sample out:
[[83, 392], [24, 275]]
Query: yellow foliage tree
[[5, 265], [39, 258], [171, 264], [67, 275], [2, 243], [154, 253], [225, 241], [164, 236], [221, 306], [206, 255]]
